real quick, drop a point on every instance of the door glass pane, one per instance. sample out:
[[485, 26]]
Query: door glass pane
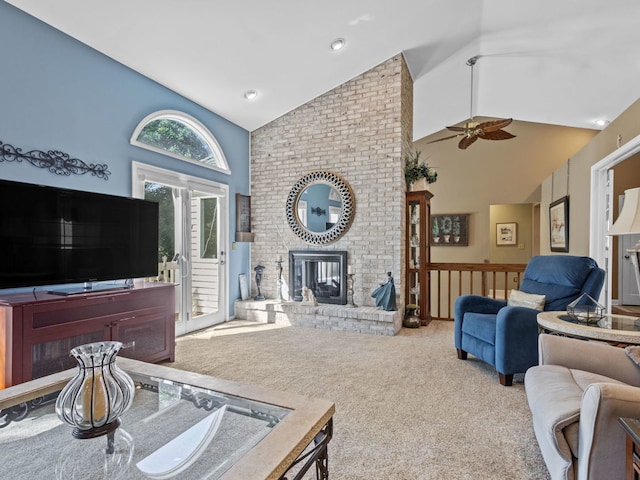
[[209, 227], [168, 266], [163, 195], [204, 254]]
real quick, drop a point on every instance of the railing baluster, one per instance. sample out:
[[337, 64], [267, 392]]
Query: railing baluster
[[439, 294], [462, 269]]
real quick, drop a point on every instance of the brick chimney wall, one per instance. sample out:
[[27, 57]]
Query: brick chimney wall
[[361, 131]]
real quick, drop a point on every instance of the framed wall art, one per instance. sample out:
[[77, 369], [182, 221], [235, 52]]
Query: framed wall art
[[243, 218], [506, 233], [559, 225], [450, 230]]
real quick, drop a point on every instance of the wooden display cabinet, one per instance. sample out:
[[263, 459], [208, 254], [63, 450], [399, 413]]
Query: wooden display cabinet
[[37, 330], [418, 253]]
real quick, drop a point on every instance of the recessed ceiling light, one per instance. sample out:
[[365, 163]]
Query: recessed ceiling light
[[250, 94], [337, 44], [601, 122]]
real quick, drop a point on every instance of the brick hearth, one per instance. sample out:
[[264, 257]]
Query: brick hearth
[[329, 317]]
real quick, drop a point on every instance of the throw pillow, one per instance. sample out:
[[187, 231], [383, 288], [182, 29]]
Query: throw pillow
[[633, 352], [523, 299]]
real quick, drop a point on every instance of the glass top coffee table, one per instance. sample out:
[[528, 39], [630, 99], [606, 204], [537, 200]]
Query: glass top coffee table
[[613, 329], [181, 425]]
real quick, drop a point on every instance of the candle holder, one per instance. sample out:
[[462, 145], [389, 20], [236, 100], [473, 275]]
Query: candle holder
[[94, 399], [350, 290], [279, 296], [259, 269]]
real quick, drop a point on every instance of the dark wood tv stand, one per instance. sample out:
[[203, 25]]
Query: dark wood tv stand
[[37, 330]]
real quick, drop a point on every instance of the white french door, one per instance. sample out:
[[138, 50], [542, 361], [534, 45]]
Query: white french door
[[193, 238]]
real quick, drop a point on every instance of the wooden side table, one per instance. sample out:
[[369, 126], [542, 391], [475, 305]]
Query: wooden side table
[[632, 428]]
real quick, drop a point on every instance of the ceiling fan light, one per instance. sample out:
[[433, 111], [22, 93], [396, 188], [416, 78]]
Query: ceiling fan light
[[472, 130]]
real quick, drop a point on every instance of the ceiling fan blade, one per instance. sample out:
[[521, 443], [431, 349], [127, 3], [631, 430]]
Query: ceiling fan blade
[[466, 141], [457, 129], [497, 135], [493, 125], [445, 138]]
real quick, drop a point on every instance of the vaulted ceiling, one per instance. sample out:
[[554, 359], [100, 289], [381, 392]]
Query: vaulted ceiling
[[564, 62]]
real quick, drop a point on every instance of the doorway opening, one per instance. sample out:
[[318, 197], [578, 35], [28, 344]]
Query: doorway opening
[[192, 240], [603, 203]]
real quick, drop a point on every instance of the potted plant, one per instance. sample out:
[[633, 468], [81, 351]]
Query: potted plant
[[455, 229], [415, 170], [435, 231], [446, 228]]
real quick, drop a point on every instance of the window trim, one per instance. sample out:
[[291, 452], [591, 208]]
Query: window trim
[[195, 125]]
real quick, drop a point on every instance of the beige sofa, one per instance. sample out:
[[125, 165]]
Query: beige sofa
[[576, 395]]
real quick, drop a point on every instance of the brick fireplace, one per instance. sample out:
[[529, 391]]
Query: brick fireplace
[[324, 272], [360, 130]]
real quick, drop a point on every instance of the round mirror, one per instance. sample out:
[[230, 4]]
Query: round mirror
[[320, 207]]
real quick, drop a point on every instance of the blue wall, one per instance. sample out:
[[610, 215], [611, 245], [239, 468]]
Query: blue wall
[[58, 94]]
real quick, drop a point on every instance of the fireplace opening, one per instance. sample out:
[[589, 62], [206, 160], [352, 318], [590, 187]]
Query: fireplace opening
[[324, 272]]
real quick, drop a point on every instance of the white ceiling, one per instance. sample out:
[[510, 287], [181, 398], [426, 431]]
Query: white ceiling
[[565, 62]]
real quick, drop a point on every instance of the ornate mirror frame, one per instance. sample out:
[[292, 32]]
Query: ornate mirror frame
[[346, 215]]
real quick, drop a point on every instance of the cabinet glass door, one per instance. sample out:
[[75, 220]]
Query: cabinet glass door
[[52, 356], [414, 255]]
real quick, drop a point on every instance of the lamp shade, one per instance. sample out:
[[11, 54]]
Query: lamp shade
[[628, 221]]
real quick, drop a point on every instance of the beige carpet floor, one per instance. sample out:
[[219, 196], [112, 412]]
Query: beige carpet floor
[[406, 407]]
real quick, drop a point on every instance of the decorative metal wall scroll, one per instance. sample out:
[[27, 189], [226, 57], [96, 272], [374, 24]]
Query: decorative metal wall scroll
[[55, 161]]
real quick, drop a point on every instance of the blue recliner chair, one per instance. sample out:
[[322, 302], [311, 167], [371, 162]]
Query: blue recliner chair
[[507, 336]]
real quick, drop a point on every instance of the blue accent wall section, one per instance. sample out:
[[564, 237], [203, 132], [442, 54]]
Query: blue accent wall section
[[59, 94]]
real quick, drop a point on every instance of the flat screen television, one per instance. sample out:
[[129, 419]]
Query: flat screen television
[[55, 236]]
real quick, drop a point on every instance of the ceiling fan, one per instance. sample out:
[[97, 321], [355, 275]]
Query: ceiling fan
[[491, 130]]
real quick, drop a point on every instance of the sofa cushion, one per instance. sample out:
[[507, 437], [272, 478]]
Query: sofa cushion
[[523, 299], [557, 296], [633, 352], [566, 270], [560, 281], [481, 326]]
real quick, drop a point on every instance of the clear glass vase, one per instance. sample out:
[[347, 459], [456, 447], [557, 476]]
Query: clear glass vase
[[99, 394]]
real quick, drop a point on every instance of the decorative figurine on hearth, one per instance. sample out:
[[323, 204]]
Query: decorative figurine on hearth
[[385, 295], [259, 269], [308, 298]]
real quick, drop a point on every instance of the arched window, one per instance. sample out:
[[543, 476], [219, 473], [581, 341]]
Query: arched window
[[180, 136]]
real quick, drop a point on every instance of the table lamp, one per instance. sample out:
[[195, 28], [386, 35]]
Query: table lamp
[[628, 223]]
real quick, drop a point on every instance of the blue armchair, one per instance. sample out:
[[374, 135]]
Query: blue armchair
[[507, 336]]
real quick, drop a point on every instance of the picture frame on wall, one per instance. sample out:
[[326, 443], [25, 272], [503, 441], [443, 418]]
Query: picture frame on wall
[[243, 218], [506, 233], [559, 225], [450, 230]]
